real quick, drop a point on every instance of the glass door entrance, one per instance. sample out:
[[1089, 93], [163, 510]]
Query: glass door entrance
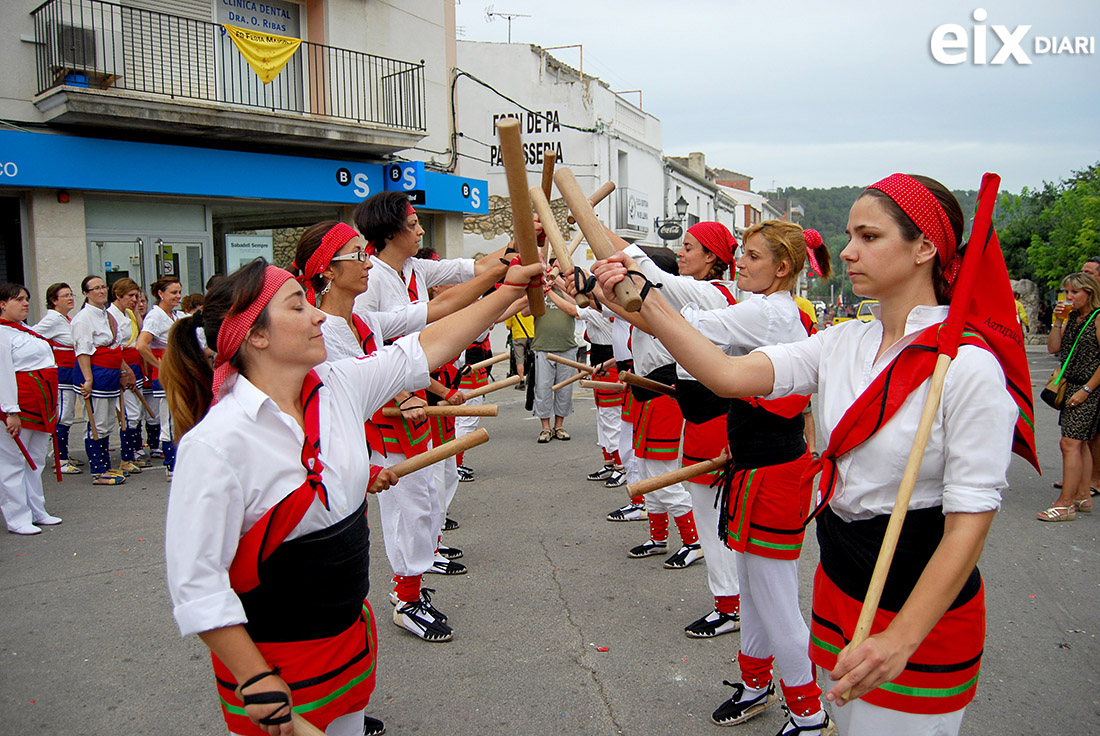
[[121, 259], [184, 261]]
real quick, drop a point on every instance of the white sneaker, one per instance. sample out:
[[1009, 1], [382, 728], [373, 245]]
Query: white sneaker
[[417, 618], [48, 520]]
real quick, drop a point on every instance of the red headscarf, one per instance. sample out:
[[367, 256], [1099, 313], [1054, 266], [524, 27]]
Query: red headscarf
[[813, 242], [335, 239], [371, 249], [235, 327], [715, 237], [926, 212]]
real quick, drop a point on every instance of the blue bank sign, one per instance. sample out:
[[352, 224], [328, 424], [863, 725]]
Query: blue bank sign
[[35, 160]]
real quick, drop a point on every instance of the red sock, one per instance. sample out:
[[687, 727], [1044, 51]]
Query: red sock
[[616, 459], [638, 501], [803, 700], [407, 587], [459, 457], [606, 457], [658, 527], [727, 604], [755, 672], [686, 524]]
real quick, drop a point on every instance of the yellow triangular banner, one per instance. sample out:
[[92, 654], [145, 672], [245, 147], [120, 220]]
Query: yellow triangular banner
[[266, 53]]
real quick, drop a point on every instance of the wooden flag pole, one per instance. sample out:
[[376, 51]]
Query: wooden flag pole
[[554, 237], [687, 472], [523, 224], [441, 410], [901, 506], [494, 386], [625, 291]]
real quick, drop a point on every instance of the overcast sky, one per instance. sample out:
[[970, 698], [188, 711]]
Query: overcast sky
[[826, 94]]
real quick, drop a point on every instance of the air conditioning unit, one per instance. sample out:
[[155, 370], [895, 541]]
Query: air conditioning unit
[[85, 50]]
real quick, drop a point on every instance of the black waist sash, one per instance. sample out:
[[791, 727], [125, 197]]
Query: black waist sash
[[312, 587], [849, 550], [666, 374], [598, 353], [759, 438], [698, 403]]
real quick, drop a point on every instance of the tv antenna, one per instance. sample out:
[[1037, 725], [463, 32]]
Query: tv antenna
[[490, 14]]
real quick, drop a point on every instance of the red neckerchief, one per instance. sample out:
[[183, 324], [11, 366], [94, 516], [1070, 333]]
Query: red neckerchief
[[366, 335], [268, 533], [726, 293], [23, 328], [413, 294]]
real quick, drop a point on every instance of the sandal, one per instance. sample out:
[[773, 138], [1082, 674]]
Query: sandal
[[1082, 508], [1058, 513], [545, 436], [561, 434], [108, 479]]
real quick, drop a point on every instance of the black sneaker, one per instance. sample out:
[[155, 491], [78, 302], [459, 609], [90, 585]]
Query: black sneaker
[[373, 726], [451, 553], [425, 600], [450, 525], [603, 473], [738, 709], [648, 549], [418, 618], [465, 474], [790, 728], [630, 512], [713, 624], [616, 479], [443, 566], [684, 556]]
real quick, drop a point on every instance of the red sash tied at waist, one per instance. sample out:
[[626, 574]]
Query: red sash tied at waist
[[38, 399], [107, 358], [64, 357]]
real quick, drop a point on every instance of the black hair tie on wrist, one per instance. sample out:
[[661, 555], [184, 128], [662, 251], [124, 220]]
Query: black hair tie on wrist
[[271, 697], [584, 283]]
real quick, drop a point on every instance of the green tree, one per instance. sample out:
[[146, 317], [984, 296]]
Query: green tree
[[1069, 229]]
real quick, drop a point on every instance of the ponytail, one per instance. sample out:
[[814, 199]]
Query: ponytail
[[186, 375], [818, 253]]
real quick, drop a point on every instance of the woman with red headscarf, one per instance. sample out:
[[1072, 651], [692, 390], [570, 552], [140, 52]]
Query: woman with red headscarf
[[918, 670], [267, 543]]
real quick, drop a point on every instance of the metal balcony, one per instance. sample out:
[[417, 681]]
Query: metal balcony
[[101, 64]]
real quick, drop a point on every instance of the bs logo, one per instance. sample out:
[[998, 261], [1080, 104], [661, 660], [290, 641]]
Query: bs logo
[[471, 193], [344, 177]]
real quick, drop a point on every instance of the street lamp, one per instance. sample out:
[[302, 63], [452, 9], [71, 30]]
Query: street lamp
[[669, 228]]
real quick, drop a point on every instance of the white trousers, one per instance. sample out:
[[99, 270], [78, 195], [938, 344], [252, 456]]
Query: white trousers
[[771, 621], [608, 423], [66, 402], [720, 560], [412, 516], [350, 724], [548, 374], [465, 425], [626, 451], [446, 480], [165, 419], [21, 497], [134, 409], [863, 719], [673, 499], [106, 418]]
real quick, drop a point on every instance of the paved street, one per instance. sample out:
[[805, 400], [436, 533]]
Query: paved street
[[89, 646]]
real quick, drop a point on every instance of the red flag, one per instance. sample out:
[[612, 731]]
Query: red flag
[[989, 312]]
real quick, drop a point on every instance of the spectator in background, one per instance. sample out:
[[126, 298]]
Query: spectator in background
[[523, 329], [1092, 267], [1021, 313], [555, 332]]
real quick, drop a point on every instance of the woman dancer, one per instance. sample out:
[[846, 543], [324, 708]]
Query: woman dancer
[[918, 670], [267, 542], [55, 326], [28, 406], [122, 311], [1075, 336], [151, 343], [99, 358]]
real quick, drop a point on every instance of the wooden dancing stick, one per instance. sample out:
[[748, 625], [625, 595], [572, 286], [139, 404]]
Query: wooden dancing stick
[[91, 418], [441, 410], [19, 444], [687, 472], [571, 363], [901, 506], [655, 386], [548, 159], [444, 451], [488, 362], [494, 386], [523, 225], [575, 243], [594, 199], [554, 237], [302, 727], [572, 379], [616, 386], [626, 292]]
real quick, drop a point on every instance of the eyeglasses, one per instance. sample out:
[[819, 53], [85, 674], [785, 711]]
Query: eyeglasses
[[359, 255], [98, 288]]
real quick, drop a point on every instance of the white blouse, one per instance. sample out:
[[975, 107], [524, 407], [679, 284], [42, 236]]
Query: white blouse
[[91, 330], [389, 291], [126, 336], [966, 462], [245, 456], [19, 352], [158, 323], [597, 325], [55, 326]]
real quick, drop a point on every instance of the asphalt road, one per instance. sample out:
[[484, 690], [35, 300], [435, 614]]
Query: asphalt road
[[88, 644]]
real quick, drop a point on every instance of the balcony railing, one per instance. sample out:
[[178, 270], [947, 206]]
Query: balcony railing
[[88, 43]]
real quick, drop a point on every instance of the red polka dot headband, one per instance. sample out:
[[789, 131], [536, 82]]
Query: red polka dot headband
[[335, 239], [926, 212]]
